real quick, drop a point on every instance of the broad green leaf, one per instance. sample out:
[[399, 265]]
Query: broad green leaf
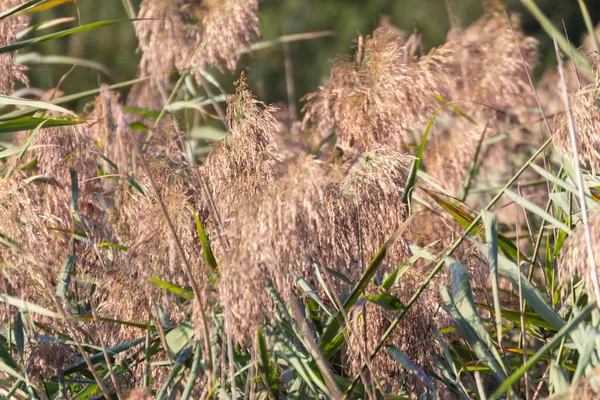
[[179, 337], [462, 296], [186, 294], [28, 123], [386, 301], [481, 350]]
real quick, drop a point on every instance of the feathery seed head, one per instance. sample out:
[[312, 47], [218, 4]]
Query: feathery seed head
[[10, 70], [174, 34], [246, 161], [360, 102], [109, 129], [585, 106], [574, 260]]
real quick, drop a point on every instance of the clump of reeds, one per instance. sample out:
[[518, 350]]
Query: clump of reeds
[[246, 161], [375, 97], [177, 34], [10, 70], [585, 107], [574, 261]]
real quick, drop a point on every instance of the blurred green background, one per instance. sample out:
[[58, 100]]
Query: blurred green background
[[115, 46]]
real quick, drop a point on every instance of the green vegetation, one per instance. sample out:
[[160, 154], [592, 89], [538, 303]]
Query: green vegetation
[[422, 224]]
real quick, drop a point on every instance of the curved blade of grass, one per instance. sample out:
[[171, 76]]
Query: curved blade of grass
[[40, 105], [194, 371], [26, 5], [30, 138], [196, 104], [47, 5], [25, 305], [306, 288], [43, 25], [284, 39], [28, 123], [462, 297], [179, 363], [409, 366], [268, 373], [186, 294], [552, 31], [480, 349], [530, 318], [466, 219], [113, 245], [491, 235], [590, 26], [526, 204], [10, 371], [557, 181], [509, 270], [564, 331], [36, 58], [416, 164], [73, 97], [83, 28], [209, 257]]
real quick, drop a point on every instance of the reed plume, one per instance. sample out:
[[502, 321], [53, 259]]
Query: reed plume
[[585, 106], [174, 34], [10, 70], [246, 161]]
